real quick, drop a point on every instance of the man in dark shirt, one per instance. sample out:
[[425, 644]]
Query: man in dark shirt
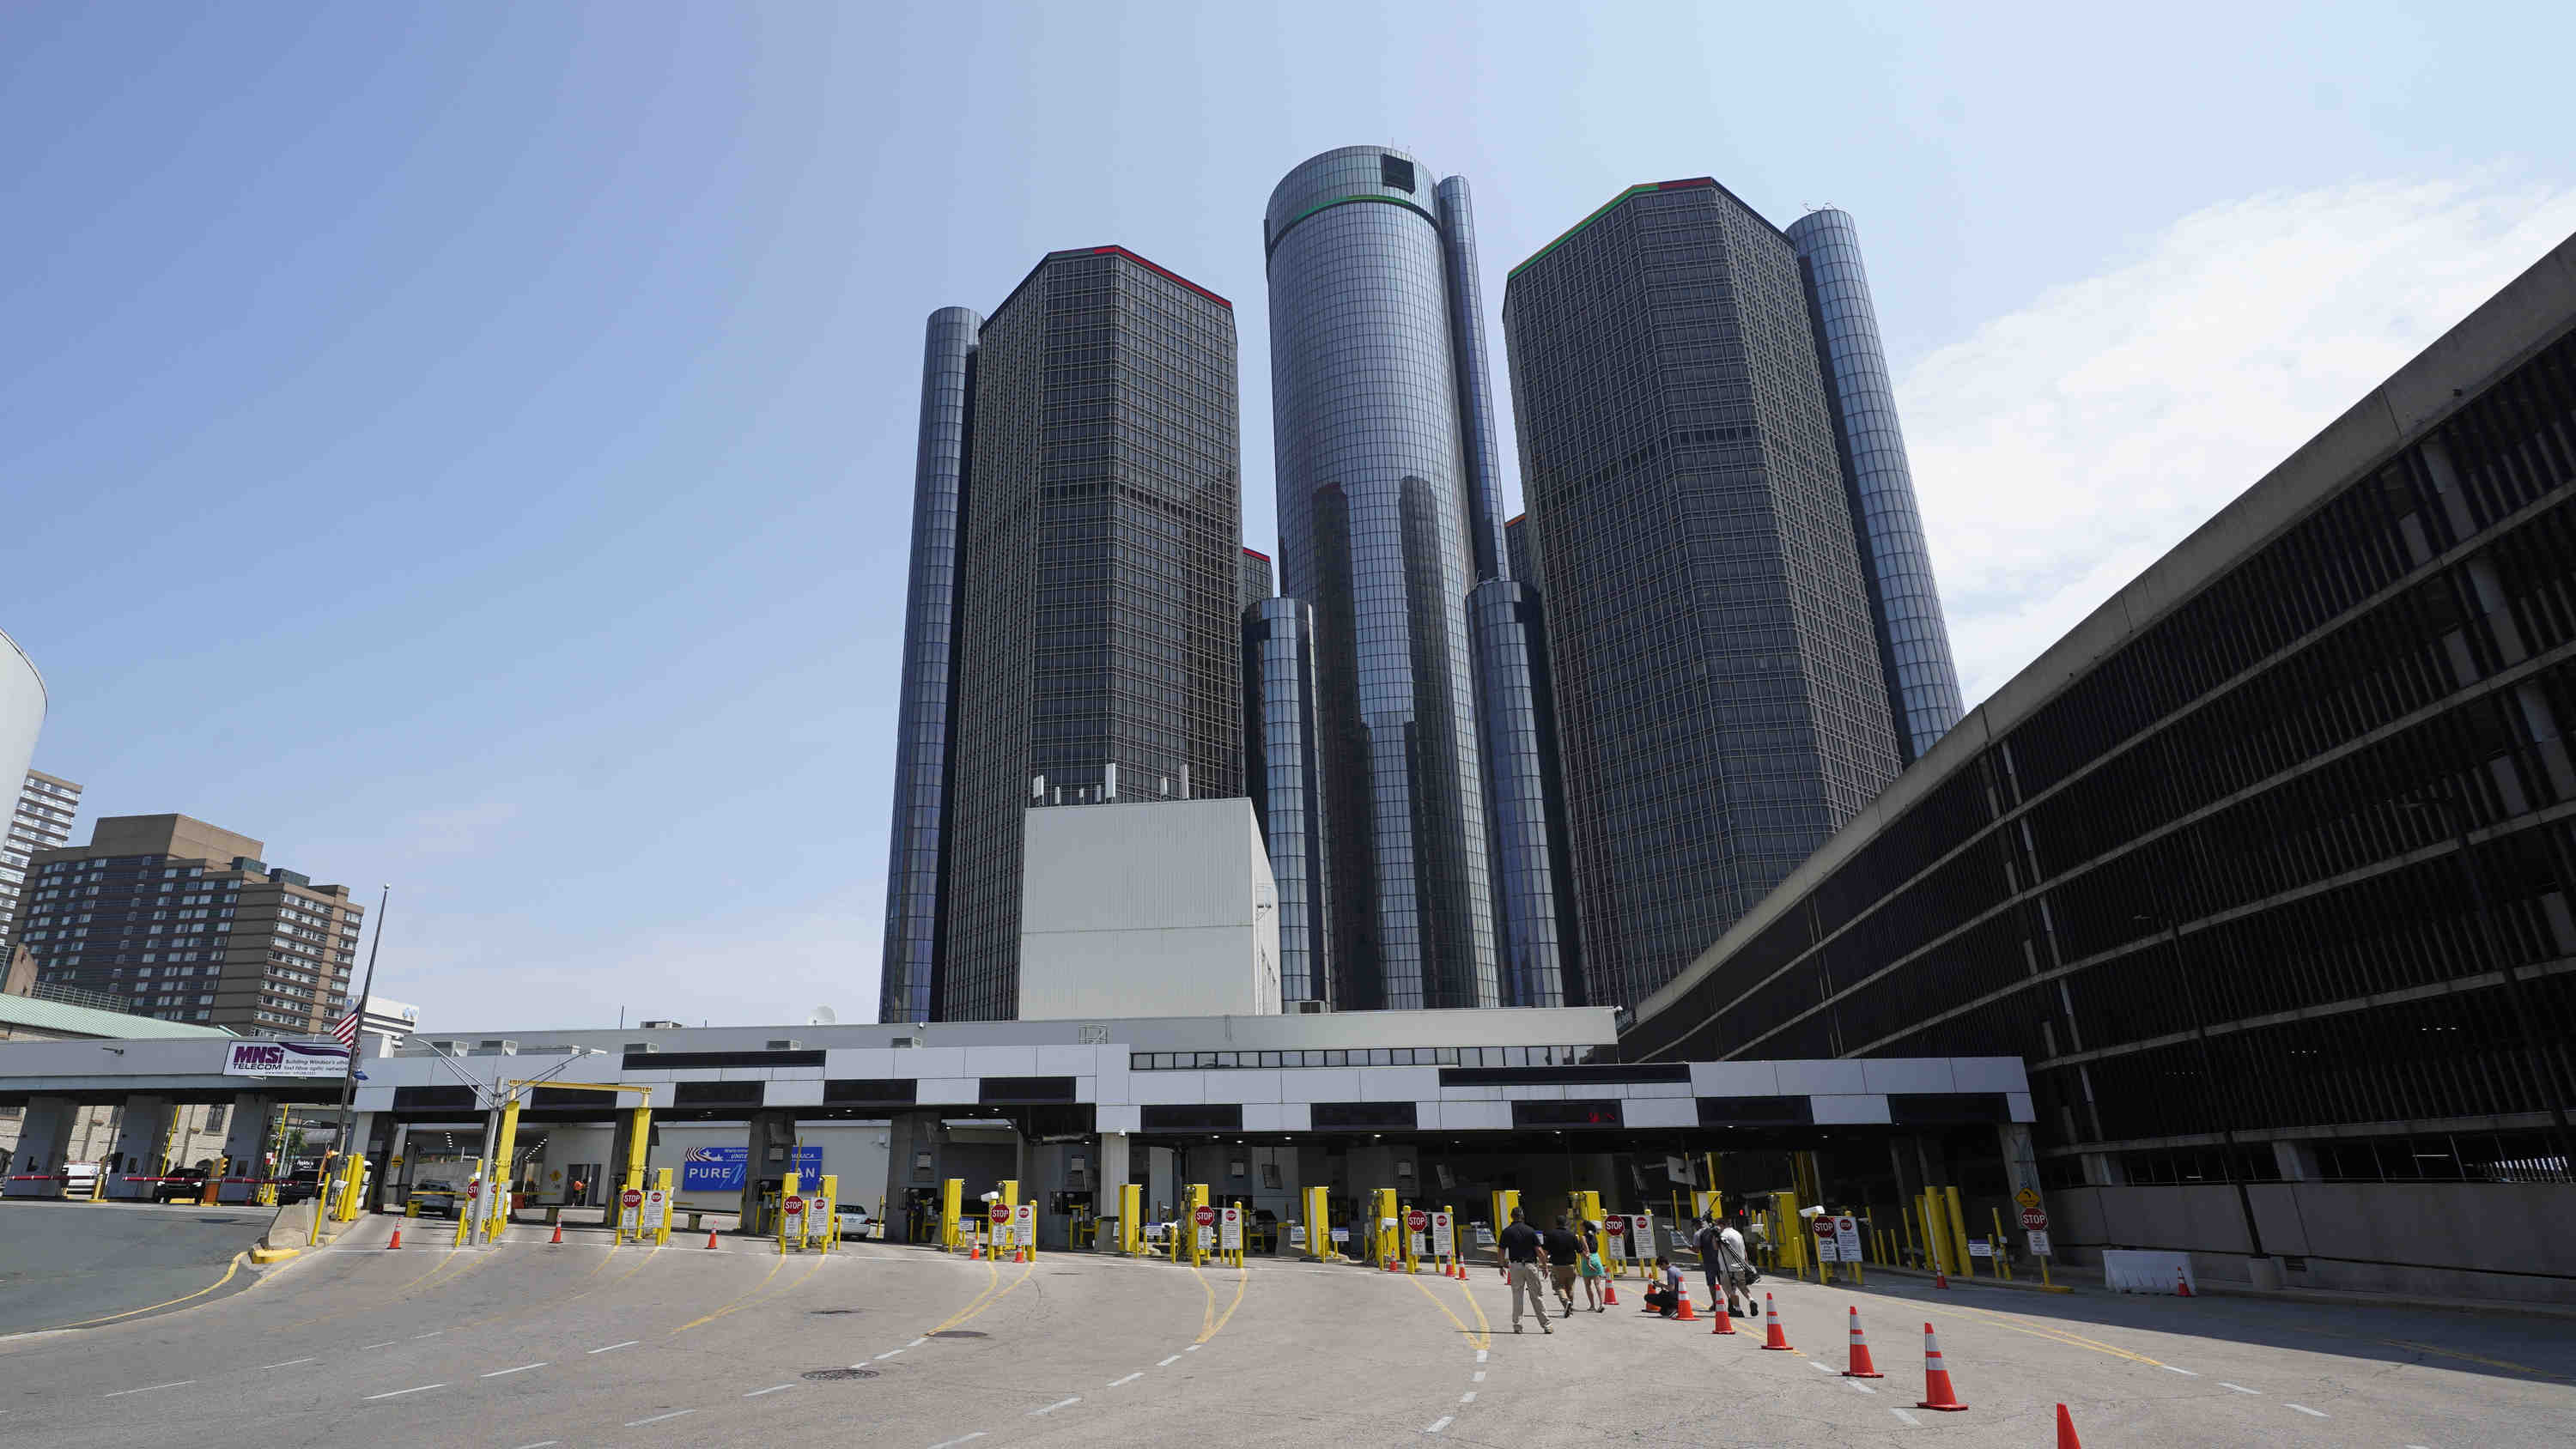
[[1523, 1252], [1564, 1251]]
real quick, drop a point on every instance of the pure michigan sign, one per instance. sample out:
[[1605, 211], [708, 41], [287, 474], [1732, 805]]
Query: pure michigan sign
[[727, 1169]]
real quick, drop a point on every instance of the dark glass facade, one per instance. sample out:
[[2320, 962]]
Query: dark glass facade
[[1255, 580], [1375, 525], [1542, 952], [1098, 653], [915, 859], [2267, 868], [1518, 542], [1905, 607], [1716, 678], [1283, 772]]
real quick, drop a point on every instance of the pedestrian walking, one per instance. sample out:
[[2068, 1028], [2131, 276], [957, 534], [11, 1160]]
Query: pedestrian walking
[[1722, 1259], [1591, 1268], [1564, 1252], [1524, 1253]]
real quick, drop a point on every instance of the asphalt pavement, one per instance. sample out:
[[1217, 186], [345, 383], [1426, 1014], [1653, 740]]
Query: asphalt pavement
[[531, 1344], [64, 1263]]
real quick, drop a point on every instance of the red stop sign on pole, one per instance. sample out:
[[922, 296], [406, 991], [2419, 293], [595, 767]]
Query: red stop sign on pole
[[1001, 1213], [1823, 1227], [1616, 1227], [632, 1198], [1206, 1217], [2035, 1219], [1418, 1221]]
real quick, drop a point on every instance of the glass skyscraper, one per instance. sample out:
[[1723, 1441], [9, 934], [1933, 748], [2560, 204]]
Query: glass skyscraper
[[1913, 639], [1284, 775], [1088, 542], [1715, 665], [1389, 516]]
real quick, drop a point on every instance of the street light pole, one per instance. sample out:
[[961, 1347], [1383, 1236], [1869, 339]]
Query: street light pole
[[349, 1077], [2455, 814]]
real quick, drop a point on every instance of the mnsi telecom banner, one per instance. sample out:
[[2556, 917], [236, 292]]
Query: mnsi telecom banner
[[286, 1059]]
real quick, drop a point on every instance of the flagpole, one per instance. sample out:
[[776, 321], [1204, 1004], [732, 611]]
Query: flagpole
[[349, 1077]]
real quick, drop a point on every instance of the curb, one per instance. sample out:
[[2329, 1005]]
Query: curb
[[263, 1256]]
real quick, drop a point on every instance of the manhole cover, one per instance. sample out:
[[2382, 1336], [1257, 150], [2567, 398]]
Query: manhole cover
[[830, 1312], [960, 1333], [832, 1375]]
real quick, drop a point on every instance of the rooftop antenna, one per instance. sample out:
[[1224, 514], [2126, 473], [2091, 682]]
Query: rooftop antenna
[[822, 1016]]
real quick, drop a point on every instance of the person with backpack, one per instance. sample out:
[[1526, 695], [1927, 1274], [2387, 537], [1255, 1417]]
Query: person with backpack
[[1728, 1268]]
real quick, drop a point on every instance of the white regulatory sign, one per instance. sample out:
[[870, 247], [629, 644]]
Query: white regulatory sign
[[1980, 1248], [1444, 1236], [1847, 1237], [1024, 1225], [1229, 1230], [2038, 1242]]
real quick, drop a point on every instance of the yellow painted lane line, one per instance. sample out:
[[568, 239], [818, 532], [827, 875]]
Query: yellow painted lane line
[[987, 1298], [738, 1302], [1460, 1323], [229, 1270], [1207, 1316], [1484, 1328], [992, 1280], [1242, 1281], [2070, 1339]]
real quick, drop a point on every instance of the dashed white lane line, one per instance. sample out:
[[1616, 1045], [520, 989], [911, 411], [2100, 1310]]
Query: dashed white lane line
[[504, 1373], [433, 1333], [1468, 1397], [773, 1388], [918, 1342], [2240, 1388], [2186, 1373], [1864, 1388], [388, 1343], [953, 1443], [1480, 1355], [149, 1388], [1131, 1378], [1443, 1422], [889, 1353], [1479, 1378], [1193, 1348], [612, 1348], [290, 1363], [2304, 1409], [542, 1444], [398, 1393], [658, 1418], [1058, 1404], [1908, 1418], [1820, 1368], [1167, 1363]]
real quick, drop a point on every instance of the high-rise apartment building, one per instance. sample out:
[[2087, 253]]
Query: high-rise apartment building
[[180, 920], [41, 821], [1717, 674], [1389, 518], [1073, 631]]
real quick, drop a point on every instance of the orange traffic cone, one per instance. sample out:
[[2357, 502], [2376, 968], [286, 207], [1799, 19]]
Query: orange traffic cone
[[1686, 1315], [2066, 1431], [397, 1242], [2182, 1282], [1861, 1367], [1717, 1311], [1772, 1336], [558, 1237], [1940, 1278], [1937, 1393], [711, 1239], [1609, 1292]]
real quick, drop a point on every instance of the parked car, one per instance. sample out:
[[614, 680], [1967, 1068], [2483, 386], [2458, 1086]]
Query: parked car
[[855, 1222], [181, 1184], [434, 1197]]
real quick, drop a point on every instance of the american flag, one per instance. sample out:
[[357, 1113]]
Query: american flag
[[346, 1029]]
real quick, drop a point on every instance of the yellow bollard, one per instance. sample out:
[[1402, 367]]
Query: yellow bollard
[[1957, 1219], [2003, 1265], [952, 1207], [1131, 1224]]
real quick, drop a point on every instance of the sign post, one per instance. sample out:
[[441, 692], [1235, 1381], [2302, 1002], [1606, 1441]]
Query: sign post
[[1828, 1246], [1024, 1228], [1444, 1238], [2034, 1222], [630, 1216], [791, 1212], [1417, 1232], [1203, 1229], [1847, 1244], [1229, 1233]]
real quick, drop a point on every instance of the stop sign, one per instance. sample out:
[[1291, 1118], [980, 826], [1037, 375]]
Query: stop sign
[[632, 1198], [1418, 1220], [1001, 1213], [1616, 1227], [2035, 1219], [1823, 1226], [1206, 1217]]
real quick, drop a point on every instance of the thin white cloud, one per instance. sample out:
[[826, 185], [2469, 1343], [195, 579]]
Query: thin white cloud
[[2061, 449]]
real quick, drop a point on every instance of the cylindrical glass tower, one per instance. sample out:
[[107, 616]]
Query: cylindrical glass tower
[[1542, 962], [1283, 773], [1913, 640], [1373, 523], [915, 856]]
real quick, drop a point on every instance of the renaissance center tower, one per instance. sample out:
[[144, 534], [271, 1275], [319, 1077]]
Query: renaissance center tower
[[1389, 520]]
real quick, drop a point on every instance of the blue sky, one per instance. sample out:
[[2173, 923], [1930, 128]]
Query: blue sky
[[471, 448]]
